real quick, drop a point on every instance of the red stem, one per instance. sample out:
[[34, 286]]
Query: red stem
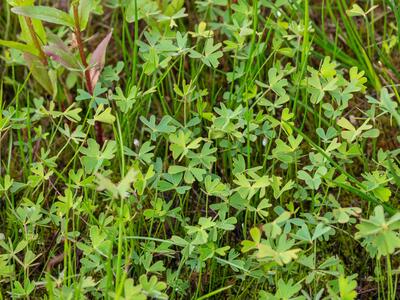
[[82, 51], [97, 125]]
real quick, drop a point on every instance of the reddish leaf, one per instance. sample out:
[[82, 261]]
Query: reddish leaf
[[98, 58], [55, 40], [60, 52], [65, 58]]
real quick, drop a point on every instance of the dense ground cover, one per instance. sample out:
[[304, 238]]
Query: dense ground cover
[[214, 149]]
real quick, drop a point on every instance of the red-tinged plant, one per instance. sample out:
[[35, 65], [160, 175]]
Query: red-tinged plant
[[37, 45]]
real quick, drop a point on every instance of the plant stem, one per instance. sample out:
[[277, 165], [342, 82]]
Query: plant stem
[[97, 125], [35, 40], [390, 289], [81, 50]]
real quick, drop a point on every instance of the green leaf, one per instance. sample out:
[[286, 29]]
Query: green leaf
[[96, 99], [276, 81], [388, 105], [320, 230], [312, 182], [145, 153], [347, 288], [39, 72], [72, 113], [105, 183], [85, 8], [216, 187], [144, 9], [328, 68], [303, 234], [273, 229], [285, 291], [181, 144], [211, 53], [19, 46], [163, 127], [355, 11], [125, 103], [351, 133], [204, 157], [380, 235], [255, 234], [45, 13], [104, 116], [94, 158]]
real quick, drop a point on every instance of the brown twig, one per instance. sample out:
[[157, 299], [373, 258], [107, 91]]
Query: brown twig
[[55, 261], [35, 40]]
